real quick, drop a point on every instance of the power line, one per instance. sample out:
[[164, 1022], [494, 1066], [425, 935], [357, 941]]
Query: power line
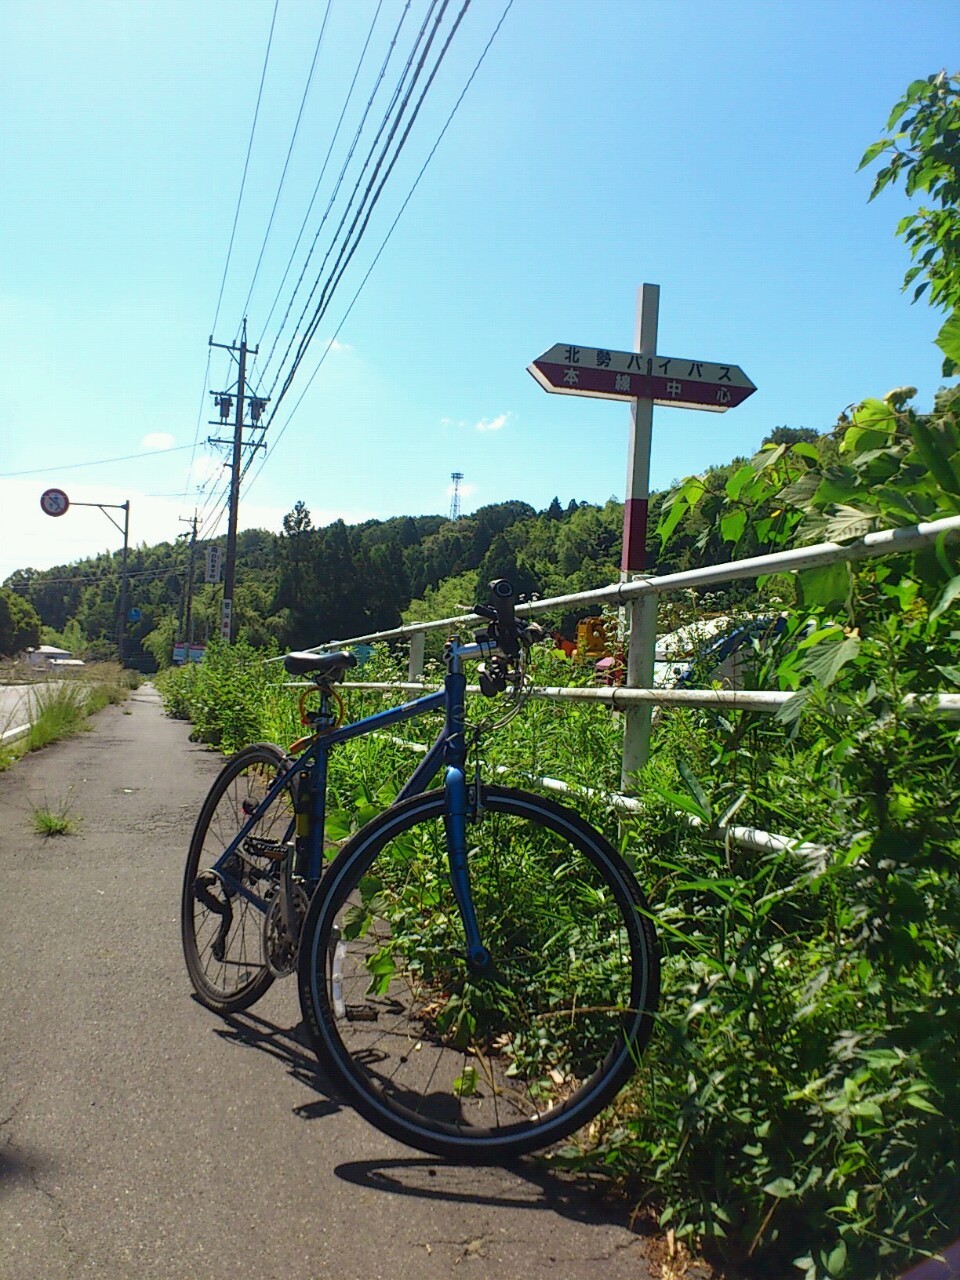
[[370, 196], [101, 462], [336, 190], [386, 239], [196, 432], [296, 127], [326, 160], [87, 579], [246, 163]]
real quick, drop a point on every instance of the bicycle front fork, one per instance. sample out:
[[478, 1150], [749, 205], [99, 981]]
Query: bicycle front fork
[[455, 823]]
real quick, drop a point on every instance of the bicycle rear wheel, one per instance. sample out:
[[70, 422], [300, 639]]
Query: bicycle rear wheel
[[222, 916], [487, 1066]]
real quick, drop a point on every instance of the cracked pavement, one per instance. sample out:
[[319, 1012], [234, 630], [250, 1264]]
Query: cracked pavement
[[142, 1136]]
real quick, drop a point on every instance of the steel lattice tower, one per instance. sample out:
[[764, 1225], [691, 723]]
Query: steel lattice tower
[[456, 477]]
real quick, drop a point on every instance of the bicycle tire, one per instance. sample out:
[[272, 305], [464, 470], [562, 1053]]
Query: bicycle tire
[[479, 1068], [238, 976]]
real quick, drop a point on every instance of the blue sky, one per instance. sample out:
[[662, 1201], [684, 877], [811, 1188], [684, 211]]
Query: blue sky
[[709, 147]]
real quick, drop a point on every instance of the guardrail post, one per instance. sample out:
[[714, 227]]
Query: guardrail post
[[641, 652], [415, 664]]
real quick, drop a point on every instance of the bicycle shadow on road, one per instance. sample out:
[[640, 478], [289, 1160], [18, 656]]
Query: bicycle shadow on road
[[519, 1184], [21, 1166], [286, 1044]]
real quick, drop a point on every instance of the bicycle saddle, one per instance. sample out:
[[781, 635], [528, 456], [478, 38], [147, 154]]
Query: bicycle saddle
[[324, 667]]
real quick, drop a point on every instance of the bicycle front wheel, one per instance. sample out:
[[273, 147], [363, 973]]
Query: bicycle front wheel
[[466, 1065], [222, 915]]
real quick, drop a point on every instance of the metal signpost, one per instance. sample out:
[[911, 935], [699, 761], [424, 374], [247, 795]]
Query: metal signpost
[[54, 502], [642, 378]]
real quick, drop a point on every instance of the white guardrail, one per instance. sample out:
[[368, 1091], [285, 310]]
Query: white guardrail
[[638, 597]]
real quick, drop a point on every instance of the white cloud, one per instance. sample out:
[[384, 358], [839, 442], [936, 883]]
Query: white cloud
[[157, 440], [485, 424], [207, 468], [466, 490], [493, 424]]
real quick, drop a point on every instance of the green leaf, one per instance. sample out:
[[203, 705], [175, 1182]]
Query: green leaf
[[464, 1086], [934, 452], [381, 967], [948, 339], [837, 1259], [674, 509], [337, 825], [679, 801], [782, 1188], [733, 525], [875, 149], [894, 499], [826, 585], [921, 1103], [744, 476], [940, 550], [825, 662], [804, 449], [947, 597], [769, 456], [836, 487], [875, 415], [847, 522], [695, 789], [867, 1108]]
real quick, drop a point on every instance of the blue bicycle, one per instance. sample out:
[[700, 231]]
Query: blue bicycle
[[477, 966]]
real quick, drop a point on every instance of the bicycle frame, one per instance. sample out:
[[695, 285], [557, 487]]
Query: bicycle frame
[[449, 750]]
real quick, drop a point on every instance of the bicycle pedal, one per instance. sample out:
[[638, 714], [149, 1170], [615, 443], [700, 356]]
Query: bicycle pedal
[[361, 1013]]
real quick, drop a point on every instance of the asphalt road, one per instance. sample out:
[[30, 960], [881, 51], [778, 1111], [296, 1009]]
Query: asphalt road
[[142, 1136]]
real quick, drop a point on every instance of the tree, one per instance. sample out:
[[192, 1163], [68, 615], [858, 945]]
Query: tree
[[19, 624], [925, 153], [791, 435]]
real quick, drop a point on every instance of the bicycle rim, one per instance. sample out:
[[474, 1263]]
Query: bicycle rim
[[480, 1066], [222, 929]]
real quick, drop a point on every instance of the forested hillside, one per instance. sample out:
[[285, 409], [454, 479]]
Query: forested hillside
[[306, 584]]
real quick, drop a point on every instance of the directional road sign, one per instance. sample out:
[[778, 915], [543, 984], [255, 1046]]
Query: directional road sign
[[54, 502], [625, 375]]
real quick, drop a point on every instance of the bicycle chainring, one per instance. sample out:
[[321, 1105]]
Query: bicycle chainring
[[279, 948]]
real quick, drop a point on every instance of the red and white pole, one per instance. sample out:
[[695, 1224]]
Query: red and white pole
[[641, 429], [641, 614]]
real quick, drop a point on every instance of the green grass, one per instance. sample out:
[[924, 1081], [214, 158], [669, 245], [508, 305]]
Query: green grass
[[60, 708], [53, 822]]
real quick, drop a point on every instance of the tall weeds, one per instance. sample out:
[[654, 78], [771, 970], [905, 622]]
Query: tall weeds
[[798, 1112]]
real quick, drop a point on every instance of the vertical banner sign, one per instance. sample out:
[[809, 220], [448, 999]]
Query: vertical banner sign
[[212, 572], [226, 609]]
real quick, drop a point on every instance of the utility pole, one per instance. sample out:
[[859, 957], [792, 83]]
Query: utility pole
[[122, 627], [224, 402], [186, 611]]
